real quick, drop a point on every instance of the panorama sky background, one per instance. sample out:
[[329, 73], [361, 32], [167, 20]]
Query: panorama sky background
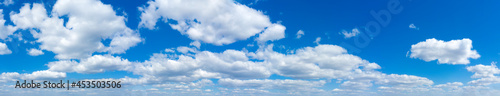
[[253, 47]]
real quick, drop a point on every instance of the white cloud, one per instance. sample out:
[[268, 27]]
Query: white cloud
[[44, 75], [291, 85], [217, 22], [90, 22], [333, 62], [350, 34], [450, 52], [318, 39], [5, 31], [299, 34], [453, 85], [37, 75], [4, 49], [447, 89], [94, 64], [9, 76], [412, 26], [486, 74], [196, 44], [404, 80], [35, 52], [205, 64], [161, 67], [273, 32], [236, 64], [360, 81], [485, 81], [240, 69], [170, 50], [185, 50], [478, 87], [322, 61], [7, 2], [192, 85], [127, 80]]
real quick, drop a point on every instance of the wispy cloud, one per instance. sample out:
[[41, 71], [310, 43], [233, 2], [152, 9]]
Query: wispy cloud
[[412, 26]]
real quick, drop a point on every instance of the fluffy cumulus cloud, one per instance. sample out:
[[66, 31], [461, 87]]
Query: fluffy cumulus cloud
[[404, 81], [37, 75], [9, 76], [94, 64], [242, 72], [450, 52], [333, 62], [311, 62], [417, 86], [89, 22], [4, 49], [217, 22], [485, 81]]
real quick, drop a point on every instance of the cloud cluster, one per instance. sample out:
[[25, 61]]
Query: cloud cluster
[[35, 52], [231, 67], [349, 34], [485, 73], [450, 52], [7, 2], [478, 87]]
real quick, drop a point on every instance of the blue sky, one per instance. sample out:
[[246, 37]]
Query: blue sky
[[253, 47]]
